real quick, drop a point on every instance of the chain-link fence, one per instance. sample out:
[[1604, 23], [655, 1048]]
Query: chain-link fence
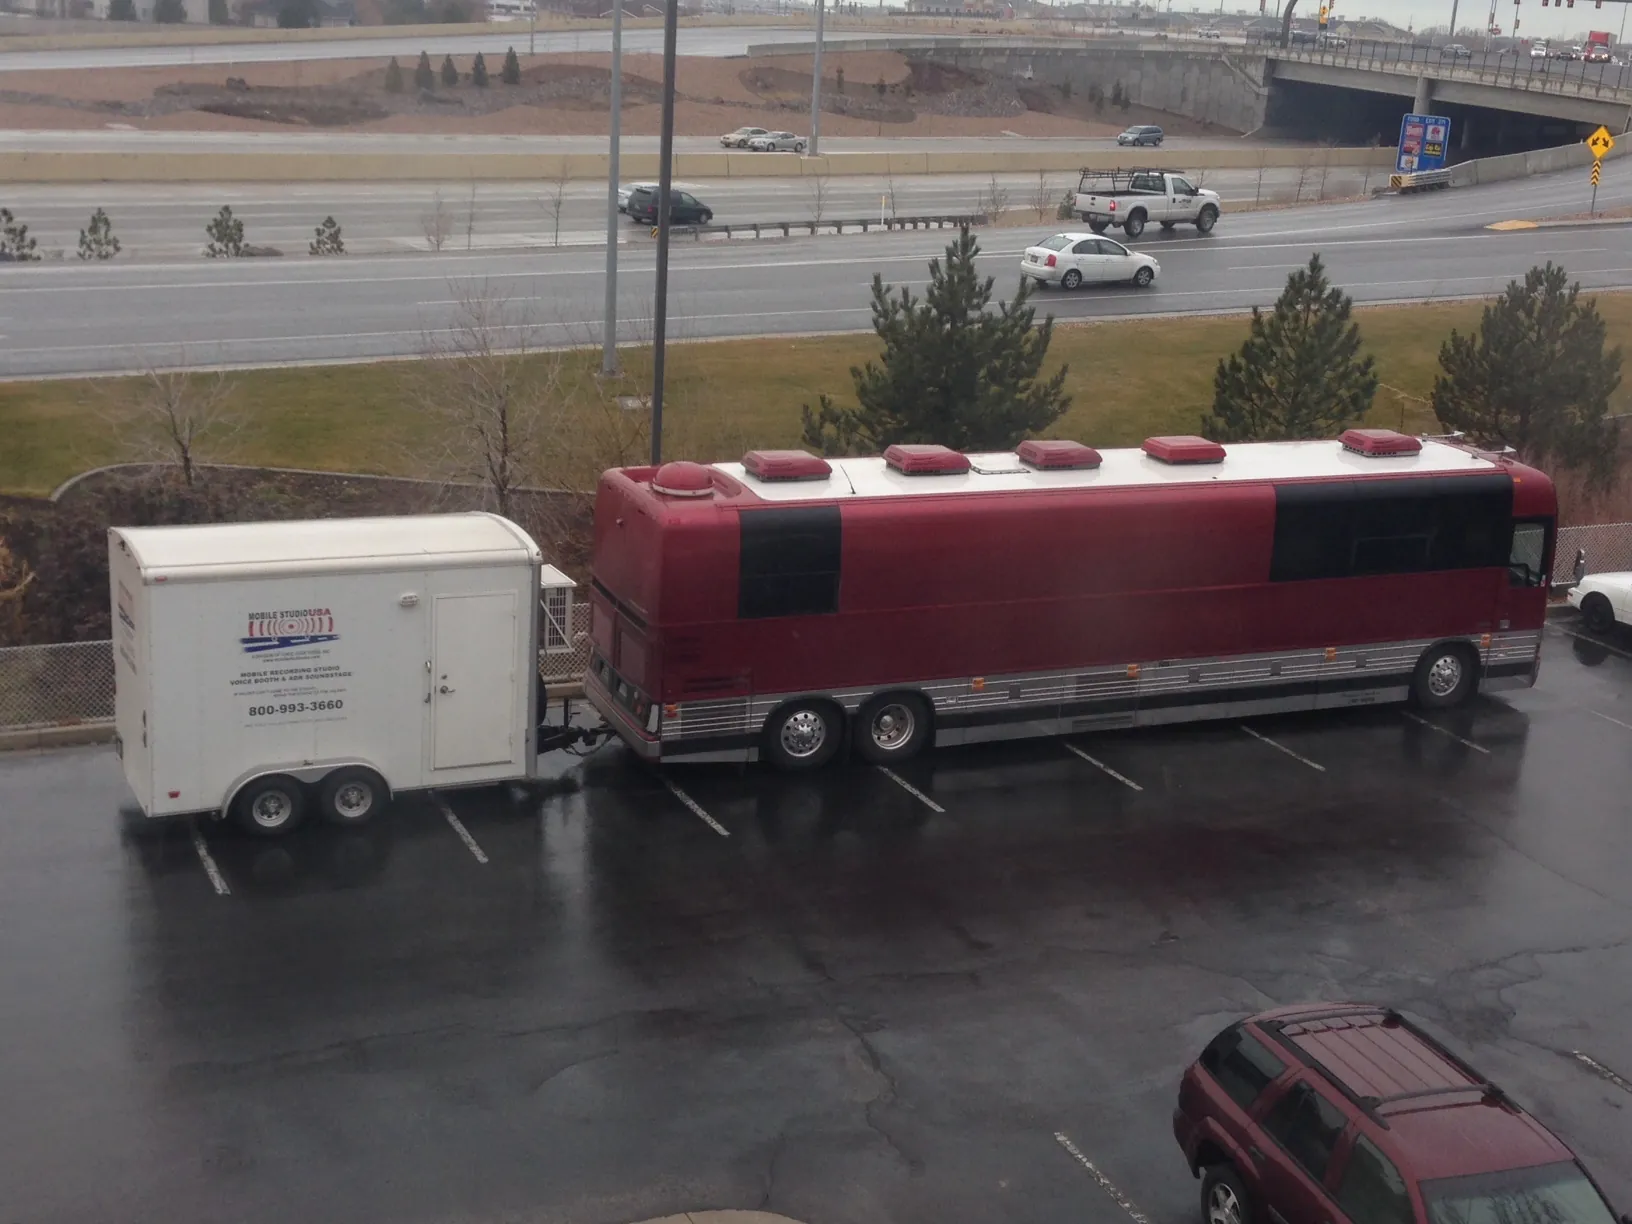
[[1608, 547], [51, 686]]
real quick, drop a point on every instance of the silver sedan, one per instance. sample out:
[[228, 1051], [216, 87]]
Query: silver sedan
[[777, 142]]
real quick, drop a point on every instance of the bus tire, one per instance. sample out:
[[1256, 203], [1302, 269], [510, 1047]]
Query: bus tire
[[1446, 675], [804, 734], [270, 806], [352, 796], [892, 727]]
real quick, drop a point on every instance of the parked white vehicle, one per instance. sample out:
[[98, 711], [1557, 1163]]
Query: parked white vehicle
[[261, 669], [1073, 260], [739, 139], [1133, 199], [777, 142], [1605, 600]]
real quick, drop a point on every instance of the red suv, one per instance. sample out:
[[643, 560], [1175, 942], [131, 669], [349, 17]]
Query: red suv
[[1343, 1114]]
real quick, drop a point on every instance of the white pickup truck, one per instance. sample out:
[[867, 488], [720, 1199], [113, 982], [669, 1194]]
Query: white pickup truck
[[1132, 199]]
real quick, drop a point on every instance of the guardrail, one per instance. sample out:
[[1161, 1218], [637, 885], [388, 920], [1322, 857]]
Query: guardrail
[[1509, 69], [813, 227]]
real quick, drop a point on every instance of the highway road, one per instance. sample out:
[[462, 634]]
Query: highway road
[[65, 318], [707, 40], [167, 222]]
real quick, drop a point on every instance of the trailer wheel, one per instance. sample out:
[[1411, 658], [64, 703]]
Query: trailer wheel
[[351, 797], [270, 806], [804, 734], [892, 727], [1446, 675]]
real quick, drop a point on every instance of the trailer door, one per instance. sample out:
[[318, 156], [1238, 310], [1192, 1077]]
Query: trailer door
[[473, 680]]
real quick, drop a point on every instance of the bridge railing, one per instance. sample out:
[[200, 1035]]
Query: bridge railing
[[1510, 69]]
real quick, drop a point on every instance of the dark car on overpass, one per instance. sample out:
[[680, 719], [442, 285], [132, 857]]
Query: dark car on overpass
[[1349, 1114]]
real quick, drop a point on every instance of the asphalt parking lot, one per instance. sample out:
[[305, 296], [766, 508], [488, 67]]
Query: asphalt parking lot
[[963, 993]]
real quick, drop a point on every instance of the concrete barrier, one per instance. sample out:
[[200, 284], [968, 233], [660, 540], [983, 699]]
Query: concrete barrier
[[1523, 165], [69, 166]]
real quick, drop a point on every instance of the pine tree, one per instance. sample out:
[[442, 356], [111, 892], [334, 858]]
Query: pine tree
[[169, 12], [478, 72], [121, 10], [226, 235], [15, 244], [96, 240], [1535, 376], [218, 13], [510, 74], [1116, 94], [1300, 373], [393, 76], [328, 240], [424, 78], [450, 74], [951, 371]]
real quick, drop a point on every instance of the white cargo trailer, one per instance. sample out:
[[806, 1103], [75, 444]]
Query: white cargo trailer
[[263, 669]]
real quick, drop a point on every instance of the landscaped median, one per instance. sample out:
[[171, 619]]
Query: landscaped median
[[1128, 379]]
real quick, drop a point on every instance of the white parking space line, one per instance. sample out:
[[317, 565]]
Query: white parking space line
[[1432, 726], [458, 827], [1104, 768], [912, 790], [1598, 1069], [696, 809], [1105, 1183], [1607, 718], [208, 863], [1280, 747], [1591, 641]]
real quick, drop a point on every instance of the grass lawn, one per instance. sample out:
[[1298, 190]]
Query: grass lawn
[[1129, 379]]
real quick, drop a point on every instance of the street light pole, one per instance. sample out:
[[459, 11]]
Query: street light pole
[[1453, 19], [816, 85], [532, 25], [665, 180], [609, 315]]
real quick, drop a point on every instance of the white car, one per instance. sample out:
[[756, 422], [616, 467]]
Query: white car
[[1072, 260], [739, 139], [1604, 600]]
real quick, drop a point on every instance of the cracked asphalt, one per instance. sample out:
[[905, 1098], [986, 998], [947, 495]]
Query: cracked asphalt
[[849, 1009]]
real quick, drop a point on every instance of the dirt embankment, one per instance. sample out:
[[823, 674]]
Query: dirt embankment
[[864, 94]]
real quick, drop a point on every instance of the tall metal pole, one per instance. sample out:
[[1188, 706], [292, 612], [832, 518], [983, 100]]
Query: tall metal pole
[[1453, 19], [665, 180], [609, 315], [816, 85], [532, 25]]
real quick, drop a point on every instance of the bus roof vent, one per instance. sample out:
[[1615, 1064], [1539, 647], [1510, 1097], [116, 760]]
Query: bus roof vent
[[1184, 448], [925, 459], [785, 465], [1379, 443], [682, 478], [1056, 454]]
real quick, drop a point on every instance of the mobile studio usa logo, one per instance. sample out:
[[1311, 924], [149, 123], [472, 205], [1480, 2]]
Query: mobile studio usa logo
[[287, 630]]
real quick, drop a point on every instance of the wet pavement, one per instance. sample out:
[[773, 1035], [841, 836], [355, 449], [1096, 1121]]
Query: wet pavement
[[860, 998]]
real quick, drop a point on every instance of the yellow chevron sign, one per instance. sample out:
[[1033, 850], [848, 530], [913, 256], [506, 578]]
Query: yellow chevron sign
[[1595, 165]]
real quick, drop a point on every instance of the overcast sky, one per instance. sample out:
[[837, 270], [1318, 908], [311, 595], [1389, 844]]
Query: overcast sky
[[1534, 21]]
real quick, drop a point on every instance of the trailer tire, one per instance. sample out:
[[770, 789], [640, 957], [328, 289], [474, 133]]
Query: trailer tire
[[350, 797], [1446, 675], [270, 806], [804, 734], [1134, 224], [892, 727]]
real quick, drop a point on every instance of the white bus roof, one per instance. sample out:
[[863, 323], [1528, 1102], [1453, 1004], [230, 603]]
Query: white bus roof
[[1119, 468], [223, 550]]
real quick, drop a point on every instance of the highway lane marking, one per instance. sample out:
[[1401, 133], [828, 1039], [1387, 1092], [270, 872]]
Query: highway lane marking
[[1607, 718], [1105, 1183], [218, 880], [458, 827], [1432, 726], [1590, 641], [1100, 765], [1598, 1069], [696, 809], [1276, 744], [911, 789]]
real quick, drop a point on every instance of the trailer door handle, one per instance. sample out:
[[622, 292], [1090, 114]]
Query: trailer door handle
[[444, 689]]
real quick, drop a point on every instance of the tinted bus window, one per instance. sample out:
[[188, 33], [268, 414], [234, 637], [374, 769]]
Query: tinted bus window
[[789, 562]]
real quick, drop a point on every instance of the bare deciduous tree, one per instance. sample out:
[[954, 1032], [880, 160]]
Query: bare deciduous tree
[[175, 417], [470, 217], [1042, 196], [556, 200], [437, 224], [994, 201], [816, 186], [15, 579]]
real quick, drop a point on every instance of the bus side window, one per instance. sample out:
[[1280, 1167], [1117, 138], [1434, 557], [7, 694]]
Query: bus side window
[[789, 563], [1527, 561]]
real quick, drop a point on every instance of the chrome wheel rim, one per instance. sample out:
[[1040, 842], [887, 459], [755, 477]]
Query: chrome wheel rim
[[803, 734], [353, 800], [1222, 1206], [271, 809], [892, 726], [1445, 675]]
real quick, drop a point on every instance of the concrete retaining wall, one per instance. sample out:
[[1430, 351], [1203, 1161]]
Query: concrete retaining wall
[[1522, 165], [218, 167]]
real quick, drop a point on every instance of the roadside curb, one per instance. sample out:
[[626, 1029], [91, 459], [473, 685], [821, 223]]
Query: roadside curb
[[1507, 227], [41, 738]]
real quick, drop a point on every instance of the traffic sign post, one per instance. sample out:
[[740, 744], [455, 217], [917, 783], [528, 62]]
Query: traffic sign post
[[1600, 142]]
